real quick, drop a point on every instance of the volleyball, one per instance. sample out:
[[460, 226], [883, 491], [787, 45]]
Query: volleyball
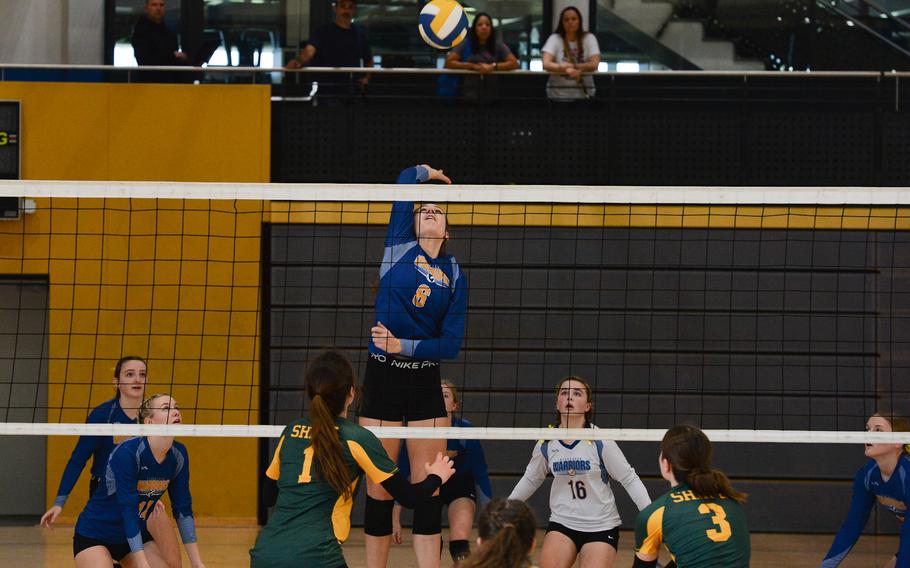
[[443, 24]]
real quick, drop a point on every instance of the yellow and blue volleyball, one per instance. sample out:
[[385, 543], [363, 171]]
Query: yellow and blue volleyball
[[443, 24]]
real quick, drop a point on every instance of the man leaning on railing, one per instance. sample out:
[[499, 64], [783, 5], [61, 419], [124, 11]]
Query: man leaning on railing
[[338, 44]]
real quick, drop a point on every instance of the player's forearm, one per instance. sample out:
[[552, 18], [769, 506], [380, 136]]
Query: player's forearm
[[432, 349], [409, 494], [525, 487], [84, 449], [639, 494], [192, 552], [140, 560]]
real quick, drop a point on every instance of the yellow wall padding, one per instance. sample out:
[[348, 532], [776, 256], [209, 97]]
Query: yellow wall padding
[[176, 282]]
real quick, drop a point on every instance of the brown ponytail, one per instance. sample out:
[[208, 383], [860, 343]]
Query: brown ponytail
[[689, 452], [507, 529], [329, 379]]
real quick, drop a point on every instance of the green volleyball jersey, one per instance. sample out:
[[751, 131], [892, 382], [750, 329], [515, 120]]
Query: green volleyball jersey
[[699, 533], [310, 519]]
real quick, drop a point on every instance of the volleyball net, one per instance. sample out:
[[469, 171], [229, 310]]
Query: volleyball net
[[760, 314]]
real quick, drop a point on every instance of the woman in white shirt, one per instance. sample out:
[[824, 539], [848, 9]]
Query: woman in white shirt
[[568, 53], [584, 522]]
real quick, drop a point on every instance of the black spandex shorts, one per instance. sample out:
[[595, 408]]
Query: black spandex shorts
[[118, 551], [401, 390], [580, 538], [458, 486]]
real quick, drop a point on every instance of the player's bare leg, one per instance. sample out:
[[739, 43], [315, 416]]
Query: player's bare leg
[[596, 555], [461, 519], [420, 452], [377, 547], [156, 558], [94, 557], [558, 551], [165, 543]]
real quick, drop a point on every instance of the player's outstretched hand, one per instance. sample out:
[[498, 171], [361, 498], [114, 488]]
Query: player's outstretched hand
[[48, 518], [442, 466], [436, 174]]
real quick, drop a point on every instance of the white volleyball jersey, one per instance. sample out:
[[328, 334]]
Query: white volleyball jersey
[[580, 497]]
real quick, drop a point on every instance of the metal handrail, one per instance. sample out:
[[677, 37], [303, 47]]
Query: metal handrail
[[433, 71], [878, 8], [833, 7]]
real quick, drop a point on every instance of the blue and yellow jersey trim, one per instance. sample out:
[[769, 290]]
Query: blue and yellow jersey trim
[[360, 455], [274, 470], [341, 514], [651, 544]]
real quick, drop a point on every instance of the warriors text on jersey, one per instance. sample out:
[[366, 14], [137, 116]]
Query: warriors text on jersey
[[133, 483], [99, 447], [311, 519], [580, 497], [699, 533], [869, 488], [422, 300]]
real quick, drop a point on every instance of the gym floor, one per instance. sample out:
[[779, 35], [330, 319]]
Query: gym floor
[[226, 547]]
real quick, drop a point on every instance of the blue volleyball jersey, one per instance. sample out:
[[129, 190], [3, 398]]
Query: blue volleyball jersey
[[868, 488], [133, 483], [97, 447], [422, 300], [467, 457]]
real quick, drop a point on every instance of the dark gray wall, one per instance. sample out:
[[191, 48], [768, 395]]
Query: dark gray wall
[[642, 129], [744, 329], [23, 394]]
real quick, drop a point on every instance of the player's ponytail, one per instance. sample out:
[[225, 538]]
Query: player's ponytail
[[689, 452], [329, 379], [506, 529]]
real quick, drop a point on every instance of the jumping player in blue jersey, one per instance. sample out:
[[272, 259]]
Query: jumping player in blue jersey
[[458, 494], [884, 479], [129, 380], [419, 320], [113, 525]]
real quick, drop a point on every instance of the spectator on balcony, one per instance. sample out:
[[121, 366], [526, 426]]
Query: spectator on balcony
[[156, 44], [484, 53], [153, 42], [568, 54], [337, 44]]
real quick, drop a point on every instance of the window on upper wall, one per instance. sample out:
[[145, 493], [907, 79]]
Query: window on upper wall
[[247, 33], [250, 33]]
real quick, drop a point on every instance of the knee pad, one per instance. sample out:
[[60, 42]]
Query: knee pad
[[377, 518], [428, 517], [459, 549]]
